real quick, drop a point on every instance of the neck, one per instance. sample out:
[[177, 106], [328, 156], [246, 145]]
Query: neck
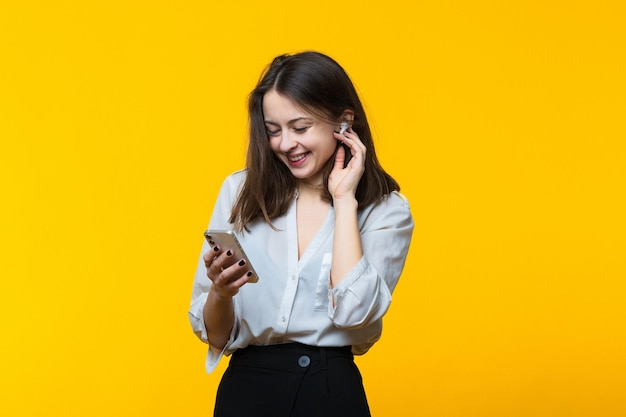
[[309, 190]]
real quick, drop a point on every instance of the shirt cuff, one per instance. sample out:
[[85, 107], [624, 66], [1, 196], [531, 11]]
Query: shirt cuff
[[214, 356], [336, 294], [197, 318]]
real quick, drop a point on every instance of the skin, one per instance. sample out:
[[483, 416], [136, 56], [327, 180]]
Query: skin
[[304, 143]]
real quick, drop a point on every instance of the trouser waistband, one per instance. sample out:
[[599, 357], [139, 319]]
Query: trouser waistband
[[289, 357]]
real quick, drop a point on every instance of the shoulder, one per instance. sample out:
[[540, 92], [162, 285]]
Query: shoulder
[[393, 208], [393, 201], [231, 186], [236, 178], [233, 182], [397, 199]]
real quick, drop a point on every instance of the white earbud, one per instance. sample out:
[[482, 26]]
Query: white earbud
[[344, 127]]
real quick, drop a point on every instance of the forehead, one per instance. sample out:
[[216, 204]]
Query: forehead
[[279, 108]]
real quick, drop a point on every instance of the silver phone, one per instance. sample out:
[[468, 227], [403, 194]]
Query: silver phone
[[226, 239]]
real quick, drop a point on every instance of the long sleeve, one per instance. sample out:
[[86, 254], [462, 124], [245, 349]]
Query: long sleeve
[[202, 284], [364, 295]]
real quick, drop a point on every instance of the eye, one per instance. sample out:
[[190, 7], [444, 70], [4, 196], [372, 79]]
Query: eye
[[301, 129], [273, 133]]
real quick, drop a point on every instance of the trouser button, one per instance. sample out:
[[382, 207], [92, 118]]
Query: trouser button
[[304, 361]]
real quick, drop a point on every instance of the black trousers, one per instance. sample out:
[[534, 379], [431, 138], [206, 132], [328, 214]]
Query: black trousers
[[291, 380]]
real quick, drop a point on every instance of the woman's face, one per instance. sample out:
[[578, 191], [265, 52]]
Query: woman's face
[[302, 141]]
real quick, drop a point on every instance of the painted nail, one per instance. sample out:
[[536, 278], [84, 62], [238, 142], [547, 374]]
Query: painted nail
[[216, 248], [242, 262], [249, 273], [229, 253]]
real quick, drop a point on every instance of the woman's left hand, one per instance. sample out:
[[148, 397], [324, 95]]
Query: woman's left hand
[[342, 182]]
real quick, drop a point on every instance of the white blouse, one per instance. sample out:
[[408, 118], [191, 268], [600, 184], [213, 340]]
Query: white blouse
[[292, 302]]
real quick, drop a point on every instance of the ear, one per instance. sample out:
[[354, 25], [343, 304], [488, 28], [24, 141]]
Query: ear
[[347, 118]]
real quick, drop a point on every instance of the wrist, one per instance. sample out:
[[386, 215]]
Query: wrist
[[219, 296], [345, 203]]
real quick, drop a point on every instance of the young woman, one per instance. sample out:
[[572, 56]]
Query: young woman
[[327, 233]]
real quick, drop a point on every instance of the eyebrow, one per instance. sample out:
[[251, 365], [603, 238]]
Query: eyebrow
[[290, 122]]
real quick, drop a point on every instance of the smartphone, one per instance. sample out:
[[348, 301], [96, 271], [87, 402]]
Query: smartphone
[[226, 239]]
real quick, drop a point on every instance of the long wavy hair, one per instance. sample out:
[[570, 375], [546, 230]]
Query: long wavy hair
[[319, 85]]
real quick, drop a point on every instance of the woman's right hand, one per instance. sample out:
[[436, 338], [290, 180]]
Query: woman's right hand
[[226, 273]]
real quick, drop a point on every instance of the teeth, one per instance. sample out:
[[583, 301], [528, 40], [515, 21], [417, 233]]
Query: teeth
[[297, 158]]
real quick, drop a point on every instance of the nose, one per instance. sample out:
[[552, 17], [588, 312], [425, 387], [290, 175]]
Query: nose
[[287, 141]]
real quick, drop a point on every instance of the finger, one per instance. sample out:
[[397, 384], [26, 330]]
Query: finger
[[210, 255], [355, 140], [340, 136], [238, 283], [351, 134], [340, 158], [232, 287], [351, 139], [223, 278], [357, 149], [220, 262], [228, 268]]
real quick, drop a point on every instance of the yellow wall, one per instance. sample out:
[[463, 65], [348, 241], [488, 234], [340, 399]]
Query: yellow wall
[[503, 122]]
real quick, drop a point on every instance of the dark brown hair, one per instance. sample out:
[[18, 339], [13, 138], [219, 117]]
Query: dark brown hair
[[319, 85]]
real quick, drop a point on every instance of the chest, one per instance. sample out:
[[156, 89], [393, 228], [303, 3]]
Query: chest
[[310, 216]]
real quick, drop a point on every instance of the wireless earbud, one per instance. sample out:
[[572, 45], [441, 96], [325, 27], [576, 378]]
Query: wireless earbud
[[344, 127]]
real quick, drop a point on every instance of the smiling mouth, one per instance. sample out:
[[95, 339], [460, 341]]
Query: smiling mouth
[[298, 157]]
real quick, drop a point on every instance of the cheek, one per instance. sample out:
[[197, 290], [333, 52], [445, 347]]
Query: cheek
[[274, 144], [329, 146]]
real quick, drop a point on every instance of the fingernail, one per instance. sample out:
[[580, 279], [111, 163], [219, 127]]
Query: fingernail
[[242, 262], [216, 248], [229, 253], [249, 273]]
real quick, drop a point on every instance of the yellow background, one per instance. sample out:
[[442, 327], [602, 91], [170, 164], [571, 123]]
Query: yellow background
[[504, 122]]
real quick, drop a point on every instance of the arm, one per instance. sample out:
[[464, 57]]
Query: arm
[[227, 275], [364, 294], [347, 248], [342, 184], [211, 312], [368, 254], [219, 318]]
